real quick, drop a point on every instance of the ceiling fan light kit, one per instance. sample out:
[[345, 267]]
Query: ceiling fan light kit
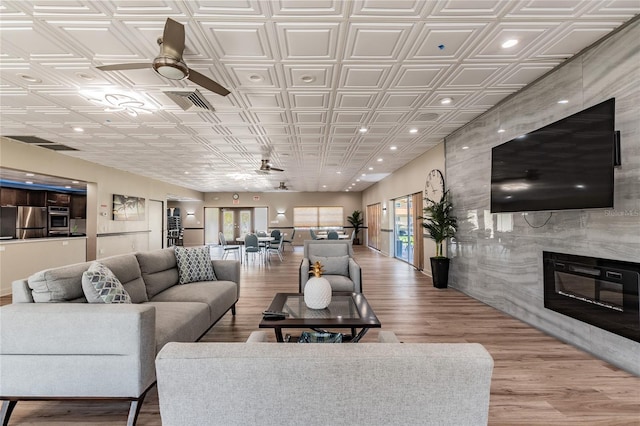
[[169, 63]]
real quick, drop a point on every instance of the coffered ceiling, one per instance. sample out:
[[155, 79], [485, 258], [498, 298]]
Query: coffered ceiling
[[305, 77]]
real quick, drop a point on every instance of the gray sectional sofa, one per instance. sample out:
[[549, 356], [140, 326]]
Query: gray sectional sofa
[[55, 345], [386, 383]]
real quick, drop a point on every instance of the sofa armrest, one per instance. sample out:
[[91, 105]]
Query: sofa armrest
[[227, 270], [355, 273], [303, 274], [65, 349]]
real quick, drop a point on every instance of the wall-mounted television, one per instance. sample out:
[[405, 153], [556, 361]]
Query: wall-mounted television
[[565, 165]]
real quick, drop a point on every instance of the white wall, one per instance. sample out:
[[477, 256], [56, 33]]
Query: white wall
[[405, 181]]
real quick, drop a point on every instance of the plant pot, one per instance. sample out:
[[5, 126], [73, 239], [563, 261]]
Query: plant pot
[[356, 241], [440, 271]]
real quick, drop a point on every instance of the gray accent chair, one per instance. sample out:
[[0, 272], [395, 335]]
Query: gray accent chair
[[341, 270], [312, 384]]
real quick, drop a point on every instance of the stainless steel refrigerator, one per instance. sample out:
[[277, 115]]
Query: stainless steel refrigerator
[[31, 222]]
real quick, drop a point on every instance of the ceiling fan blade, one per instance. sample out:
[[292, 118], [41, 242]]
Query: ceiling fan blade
[[207, 83], [173, 39], [275, 169], [124, 67]]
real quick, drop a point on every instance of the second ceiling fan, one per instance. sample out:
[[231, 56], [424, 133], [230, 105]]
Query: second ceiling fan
[[169, 62]]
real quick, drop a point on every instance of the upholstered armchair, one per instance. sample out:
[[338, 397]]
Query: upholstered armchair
[[336, 257]]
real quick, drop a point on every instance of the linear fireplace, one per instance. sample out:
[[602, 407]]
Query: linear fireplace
[[601, 292]]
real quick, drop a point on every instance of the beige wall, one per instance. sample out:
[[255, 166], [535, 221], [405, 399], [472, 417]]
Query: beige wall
[[405, 181], [105, 237], [274, 201]]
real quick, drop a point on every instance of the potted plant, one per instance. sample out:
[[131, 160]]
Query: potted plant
[[356, 221], [441, 224]]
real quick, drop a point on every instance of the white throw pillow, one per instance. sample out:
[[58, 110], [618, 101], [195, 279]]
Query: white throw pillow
[[194, 264], [100, 285]]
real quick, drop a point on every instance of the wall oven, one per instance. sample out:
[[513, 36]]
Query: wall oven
[[58, 220]]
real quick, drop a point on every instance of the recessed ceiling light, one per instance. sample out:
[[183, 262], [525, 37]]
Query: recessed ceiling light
[[363, 129], [465, 147], [78, 129], [339, 172], [363, 175], [74, 181], [347, 190], [30, 78], [85, 76], [68, 187], [29, 174], [501, 130], [509, 43], [255, 77], [357, 180], [379, 160], [186, 173], [446, 101], [413, 131], [308, 78], [29, 182], [324, 186], [370, 168], [393, 148], [563, 101]]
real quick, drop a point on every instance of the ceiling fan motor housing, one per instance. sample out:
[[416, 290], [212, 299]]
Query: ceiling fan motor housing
[[171, 68]]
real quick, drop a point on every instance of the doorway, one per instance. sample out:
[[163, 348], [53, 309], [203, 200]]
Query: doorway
[[403, 228], [235, 222], [156, 224]]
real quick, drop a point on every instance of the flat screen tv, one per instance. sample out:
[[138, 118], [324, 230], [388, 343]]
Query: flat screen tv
[[564, 165]]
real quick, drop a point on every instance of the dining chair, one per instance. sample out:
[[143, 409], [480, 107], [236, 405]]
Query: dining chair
[[251, 246], [277, 249], [291, 240], [332, 235], [313, 234], [228, 248], [277, 235]]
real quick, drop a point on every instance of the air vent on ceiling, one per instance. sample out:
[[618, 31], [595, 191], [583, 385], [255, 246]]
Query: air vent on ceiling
[[34, 140], [190, 100]]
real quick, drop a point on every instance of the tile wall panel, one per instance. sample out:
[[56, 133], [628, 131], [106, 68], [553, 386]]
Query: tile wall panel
[[497, 258]]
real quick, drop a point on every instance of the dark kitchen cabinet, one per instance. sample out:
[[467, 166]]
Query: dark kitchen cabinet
[[13, 197], [58, 199], [78, 208], [36, 198]]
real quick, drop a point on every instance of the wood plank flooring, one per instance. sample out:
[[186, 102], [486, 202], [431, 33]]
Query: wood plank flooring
[[537, 379]]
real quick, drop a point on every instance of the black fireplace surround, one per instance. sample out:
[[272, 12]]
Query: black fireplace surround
[[600, 292]]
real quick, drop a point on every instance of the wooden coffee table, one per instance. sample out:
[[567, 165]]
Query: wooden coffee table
[[346, 310]]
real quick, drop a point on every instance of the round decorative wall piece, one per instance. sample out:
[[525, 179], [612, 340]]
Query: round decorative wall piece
[[434, 185]]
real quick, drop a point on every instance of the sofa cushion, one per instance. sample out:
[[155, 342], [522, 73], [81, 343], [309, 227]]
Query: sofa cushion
[[340, 283], [218, 295], [159, 270], [63, 284], [180, 322], [334, 265], [100, 285], [126, 268], [194, 264]]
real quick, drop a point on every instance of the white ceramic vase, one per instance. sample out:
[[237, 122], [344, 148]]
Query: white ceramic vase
[[317, 293]]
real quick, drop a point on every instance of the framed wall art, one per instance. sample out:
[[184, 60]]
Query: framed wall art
[[126, 207]]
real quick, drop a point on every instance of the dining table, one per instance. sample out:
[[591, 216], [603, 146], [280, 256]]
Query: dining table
[[265, 240]]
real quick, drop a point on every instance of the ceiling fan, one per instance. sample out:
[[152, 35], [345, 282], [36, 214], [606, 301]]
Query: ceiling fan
[[282, 187], [266, 167], [169, 62]]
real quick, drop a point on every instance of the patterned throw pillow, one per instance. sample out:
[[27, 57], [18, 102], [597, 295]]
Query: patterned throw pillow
[[100, 285], [194, 264]]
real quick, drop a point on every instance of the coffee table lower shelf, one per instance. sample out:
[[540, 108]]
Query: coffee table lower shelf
[[347, 310]]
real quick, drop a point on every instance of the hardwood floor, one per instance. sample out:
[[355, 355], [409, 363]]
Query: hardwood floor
[[537, 380]]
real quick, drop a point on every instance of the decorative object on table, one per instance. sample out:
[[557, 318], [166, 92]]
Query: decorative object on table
[[317, 291], [127, 208], [356, 221], [441, 224], [316, 337]]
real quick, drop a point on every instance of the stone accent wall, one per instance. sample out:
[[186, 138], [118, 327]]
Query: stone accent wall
[[497, 258]]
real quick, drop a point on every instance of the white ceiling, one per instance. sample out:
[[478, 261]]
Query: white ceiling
[[304, 76]]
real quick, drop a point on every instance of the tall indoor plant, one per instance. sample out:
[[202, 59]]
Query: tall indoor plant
[[441, 224], [356, 221]]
